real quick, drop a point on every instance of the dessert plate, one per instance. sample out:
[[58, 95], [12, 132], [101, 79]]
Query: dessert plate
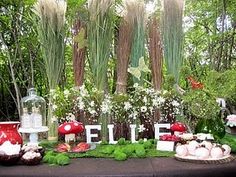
[[194, 159]]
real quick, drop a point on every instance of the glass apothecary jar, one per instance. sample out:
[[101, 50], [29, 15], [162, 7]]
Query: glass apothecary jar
[[33, 117], [33, 110]]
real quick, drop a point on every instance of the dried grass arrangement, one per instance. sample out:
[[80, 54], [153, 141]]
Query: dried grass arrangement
[[137, 14], [155, 52], [172, 30], [100, 30], [100, 36], [51, 32], [123, 52]]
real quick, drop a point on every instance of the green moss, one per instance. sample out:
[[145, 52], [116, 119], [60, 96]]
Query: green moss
[[56, 158], [128, 150], [62, 159], [120, 156], [229, 140], [121, 141], [108, 149], [147, 144], [140, 152], [128, 142], [48, 144], [116, 151], [104, 143], [52, 159], [141, 141], [46, 158], [137, 145]]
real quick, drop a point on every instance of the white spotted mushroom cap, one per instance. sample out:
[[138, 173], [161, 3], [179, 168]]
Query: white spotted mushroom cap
[[71, 127]]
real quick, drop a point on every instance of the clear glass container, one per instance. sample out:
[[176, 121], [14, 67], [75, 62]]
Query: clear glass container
[[33, 110], [33, 118]]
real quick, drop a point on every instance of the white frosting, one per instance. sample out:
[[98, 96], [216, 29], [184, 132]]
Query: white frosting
[[10, 149], [30, 155], [30, 148]]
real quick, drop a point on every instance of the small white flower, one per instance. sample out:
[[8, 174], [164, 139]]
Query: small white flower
[[105, 108], [92, 103], [155, 102], [175, 103], [177, 111], [70, 117], [93, 112], [83, 91], [54, 107], [151, 109], [66, 92], [143, 109], [165, 91], [145, 99], [161, 100], [127, 105], [134, 115], [135, 85], [52, 91], [141, 128], [81, 104]]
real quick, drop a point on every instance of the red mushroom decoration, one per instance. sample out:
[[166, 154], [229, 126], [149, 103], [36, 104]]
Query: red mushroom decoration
[[70, 129], [178, 128]]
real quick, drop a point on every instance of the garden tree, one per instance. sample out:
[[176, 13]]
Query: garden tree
[[18, 57], [79, 51], [210, 35], [19, 49]]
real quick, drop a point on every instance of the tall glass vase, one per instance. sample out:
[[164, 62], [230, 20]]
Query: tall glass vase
[[104, 122], [52, 124]]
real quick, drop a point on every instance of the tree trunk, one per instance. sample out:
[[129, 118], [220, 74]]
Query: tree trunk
[[79, 52]]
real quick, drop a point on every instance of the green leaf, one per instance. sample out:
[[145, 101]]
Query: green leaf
[[142, 67], [135, 72], [80, 39]]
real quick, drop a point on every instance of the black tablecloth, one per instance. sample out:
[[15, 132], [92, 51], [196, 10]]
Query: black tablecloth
[[91, 167]]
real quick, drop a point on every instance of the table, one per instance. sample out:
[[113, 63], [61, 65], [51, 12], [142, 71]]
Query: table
[[92, 167]]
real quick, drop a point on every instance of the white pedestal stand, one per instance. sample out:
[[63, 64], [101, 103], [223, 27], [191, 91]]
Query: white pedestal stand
[[33, 138]]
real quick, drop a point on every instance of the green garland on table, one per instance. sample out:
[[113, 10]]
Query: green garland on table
[[120, 151], [229, 140]]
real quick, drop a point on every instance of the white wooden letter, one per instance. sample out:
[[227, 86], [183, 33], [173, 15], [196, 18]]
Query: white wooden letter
[[132, 127], [111, 135], [89, 136], [157, 130]]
